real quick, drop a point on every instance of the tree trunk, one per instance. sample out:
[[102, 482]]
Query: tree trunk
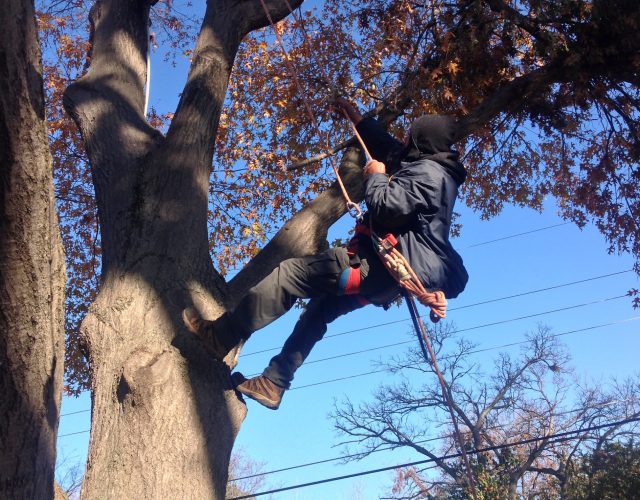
[[32, 273], [164, 414]]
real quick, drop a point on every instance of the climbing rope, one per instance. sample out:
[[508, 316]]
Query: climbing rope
[[430, 357], [399, 267], [394, 261], [352, 207]]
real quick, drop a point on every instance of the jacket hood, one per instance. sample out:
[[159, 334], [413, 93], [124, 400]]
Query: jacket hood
[[431, 138]]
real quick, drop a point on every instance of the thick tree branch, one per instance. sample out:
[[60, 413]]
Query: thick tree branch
[[191, 136], [107, 105], [319, 157], [183, 165], [545, 470], [107, 102], [510, 98], [508, 384], [306, 232]]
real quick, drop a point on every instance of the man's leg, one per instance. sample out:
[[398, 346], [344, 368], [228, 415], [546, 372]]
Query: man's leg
[[269, 387], [293, 279], [309, 329]]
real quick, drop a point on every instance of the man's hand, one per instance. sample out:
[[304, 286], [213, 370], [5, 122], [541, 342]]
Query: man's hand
[[374, 167]]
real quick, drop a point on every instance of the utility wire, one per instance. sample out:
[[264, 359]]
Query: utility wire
[[73, 413], [475, 304], [515, 235], [364, 374], [475, 351], [551, 438], [423, 441], [74, 433], [469, 352], [539, 290], [364, 328], [348, 377]]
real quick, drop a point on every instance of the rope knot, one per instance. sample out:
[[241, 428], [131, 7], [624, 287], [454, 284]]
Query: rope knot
[[436, 301]]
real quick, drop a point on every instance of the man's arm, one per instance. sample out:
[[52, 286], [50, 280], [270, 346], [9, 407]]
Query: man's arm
[[395, 202], [382, 145]]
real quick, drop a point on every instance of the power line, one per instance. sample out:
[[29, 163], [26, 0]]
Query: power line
[[475, 351], [369, 327], [73, 413], [468, 305], [352, 353], [539, 290], [404, 342], [580, 330], [516, 235], [74, 433], [475, 304], [423, 441], [528, 316], [551, 438], [585, 280], [546, 289]]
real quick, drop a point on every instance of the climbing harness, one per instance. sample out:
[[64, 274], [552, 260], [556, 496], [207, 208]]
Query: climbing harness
[[393, 260], [398, 266]]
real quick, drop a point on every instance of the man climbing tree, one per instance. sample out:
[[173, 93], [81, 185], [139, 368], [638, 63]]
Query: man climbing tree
[[144, 194], [413, 208]]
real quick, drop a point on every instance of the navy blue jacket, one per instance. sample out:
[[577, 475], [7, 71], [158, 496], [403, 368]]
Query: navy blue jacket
[[416, 205]]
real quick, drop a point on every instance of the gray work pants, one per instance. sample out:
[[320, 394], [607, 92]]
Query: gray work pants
[[315, 277]]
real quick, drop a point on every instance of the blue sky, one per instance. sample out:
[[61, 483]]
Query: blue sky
[[501, 262]]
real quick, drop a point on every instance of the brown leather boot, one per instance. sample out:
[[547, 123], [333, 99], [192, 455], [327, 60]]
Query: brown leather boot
[[205, 331], [260, 389]]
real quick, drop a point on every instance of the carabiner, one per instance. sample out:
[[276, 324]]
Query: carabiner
[[354, 211]]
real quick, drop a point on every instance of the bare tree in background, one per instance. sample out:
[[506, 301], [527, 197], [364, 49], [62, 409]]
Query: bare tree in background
[[245, 475], [525, 397]]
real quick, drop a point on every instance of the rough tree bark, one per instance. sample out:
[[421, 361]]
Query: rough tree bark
[[164, 417], [32, 276]]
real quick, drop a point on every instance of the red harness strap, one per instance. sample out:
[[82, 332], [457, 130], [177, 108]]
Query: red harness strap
[[349, 281]]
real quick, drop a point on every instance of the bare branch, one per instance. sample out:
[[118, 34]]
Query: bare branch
[[314, 159]]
